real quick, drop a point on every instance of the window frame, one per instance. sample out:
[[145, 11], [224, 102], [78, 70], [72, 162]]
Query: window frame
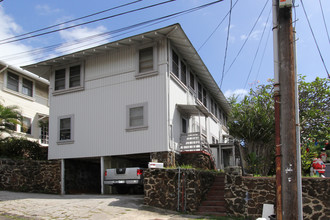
[[67, 78], [145, 117], [154, 70], [65, 141], [20, 85], [29, 129]]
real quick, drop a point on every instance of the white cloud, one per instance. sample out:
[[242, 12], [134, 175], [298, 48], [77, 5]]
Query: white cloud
[[238, 92], [255, 35], [46, 10], [73, 35], [10, 29]]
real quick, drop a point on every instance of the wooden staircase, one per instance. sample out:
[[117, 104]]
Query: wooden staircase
[[214, 204]]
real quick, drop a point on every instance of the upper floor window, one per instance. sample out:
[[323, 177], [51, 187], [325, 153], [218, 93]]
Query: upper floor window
[[200, 92], [147, 61], [183, 73], [192, 81], [19, 84], [68, 78], [175, 64], [204, 98]]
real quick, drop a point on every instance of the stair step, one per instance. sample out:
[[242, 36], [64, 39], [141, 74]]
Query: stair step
[[215, 198], [213, 203], [212, 213], [212, 209]]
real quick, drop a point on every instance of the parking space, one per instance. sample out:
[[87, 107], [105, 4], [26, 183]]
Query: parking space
[[45, 206]]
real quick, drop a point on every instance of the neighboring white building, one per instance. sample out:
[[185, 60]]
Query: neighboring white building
[[30, 93], [126, 101]]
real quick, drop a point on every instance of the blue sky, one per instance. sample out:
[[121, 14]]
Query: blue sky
[[19, 17]]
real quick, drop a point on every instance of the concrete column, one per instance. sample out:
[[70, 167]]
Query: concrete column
[[62, 177], [102, 174]]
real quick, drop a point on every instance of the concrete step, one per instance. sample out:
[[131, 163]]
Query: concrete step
[[211, 213], [212, 209], [213, 203], [215, 198]]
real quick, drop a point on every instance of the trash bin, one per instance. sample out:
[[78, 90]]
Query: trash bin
[[272, 217]]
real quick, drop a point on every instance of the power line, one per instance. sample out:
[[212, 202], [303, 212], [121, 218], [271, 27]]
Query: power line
[[141, 25], [263, 53], [325, 24], [310, 27], [223, 19], [76, 19], [247, 38], [88, 22], [227, 40], [255, 55]]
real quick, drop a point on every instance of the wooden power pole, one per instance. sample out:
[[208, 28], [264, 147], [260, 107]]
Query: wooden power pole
[[286, 91]]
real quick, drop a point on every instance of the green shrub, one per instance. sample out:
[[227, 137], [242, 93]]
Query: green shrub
[[20, 148]]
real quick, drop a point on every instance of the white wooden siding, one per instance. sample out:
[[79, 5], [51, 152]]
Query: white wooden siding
[[100, 109]]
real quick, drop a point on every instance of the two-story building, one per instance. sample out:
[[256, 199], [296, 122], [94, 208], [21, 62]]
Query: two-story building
[[29, 92], [124, 103]]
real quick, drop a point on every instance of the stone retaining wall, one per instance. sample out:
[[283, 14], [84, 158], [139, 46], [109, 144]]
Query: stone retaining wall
[[161, 188], [30, 176], [245, 196]]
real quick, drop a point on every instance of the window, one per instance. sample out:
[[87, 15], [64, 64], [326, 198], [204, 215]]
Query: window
[[65, 129], [200, 94], [68, 78], [137, 116], [27, 87], [60, 79], [146, 62], [184, 125], [74, 76], [204, 98], [192, 81], [26, 125], [175, 64], [44, 136], [183, 73], [12, 81]]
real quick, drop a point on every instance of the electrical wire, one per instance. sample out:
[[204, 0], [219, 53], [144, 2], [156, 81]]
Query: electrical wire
[[263, 53], [66, 22], [141, 25], [256, 53], [310, 27], [325, 24], [88, 22], [223, 19], [247, 38], [227, 40]]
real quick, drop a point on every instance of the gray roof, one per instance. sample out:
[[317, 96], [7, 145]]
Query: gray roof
[[173, 32]]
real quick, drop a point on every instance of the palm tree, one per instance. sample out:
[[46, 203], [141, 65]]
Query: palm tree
[[9, 116]]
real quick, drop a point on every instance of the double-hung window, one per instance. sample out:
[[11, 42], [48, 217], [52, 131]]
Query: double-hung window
[[19, 84], [69, 78], [65, 129], [183, 73], [192, 81], [147, 61], [137, 116]]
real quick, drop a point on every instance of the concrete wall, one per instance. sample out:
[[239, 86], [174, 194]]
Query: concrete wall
[[30, 176]]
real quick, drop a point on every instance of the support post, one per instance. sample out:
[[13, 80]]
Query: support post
[[287, 115], [102, 174], [62, 177]]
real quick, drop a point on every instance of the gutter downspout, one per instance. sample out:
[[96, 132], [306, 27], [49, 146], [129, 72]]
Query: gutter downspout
[[277, 99]]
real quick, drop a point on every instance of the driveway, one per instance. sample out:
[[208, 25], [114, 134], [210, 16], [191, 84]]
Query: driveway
[[15, 205]]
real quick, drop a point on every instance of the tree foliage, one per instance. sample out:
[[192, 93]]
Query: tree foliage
[[252, 122], [9, 116]]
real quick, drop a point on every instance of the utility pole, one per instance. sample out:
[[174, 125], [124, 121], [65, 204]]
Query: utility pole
[[286, 79]]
